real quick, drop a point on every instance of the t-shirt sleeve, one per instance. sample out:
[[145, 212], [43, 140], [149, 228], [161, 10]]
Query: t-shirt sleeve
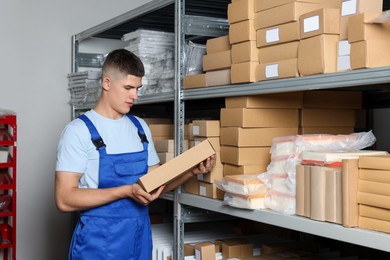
[[152, 154]]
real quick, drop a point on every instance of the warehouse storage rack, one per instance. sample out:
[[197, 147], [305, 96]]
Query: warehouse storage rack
[[197, 20]]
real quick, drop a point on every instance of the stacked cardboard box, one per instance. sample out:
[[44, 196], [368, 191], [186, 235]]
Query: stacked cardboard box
[[165, 149]]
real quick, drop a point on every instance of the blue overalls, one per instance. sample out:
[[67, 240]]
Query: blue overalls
[[119, 230]]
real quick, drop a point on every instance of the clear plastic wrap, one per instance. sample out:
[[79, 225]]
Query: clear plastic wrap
[[241, 184], [255, 201], [84, 87], [194, 58]]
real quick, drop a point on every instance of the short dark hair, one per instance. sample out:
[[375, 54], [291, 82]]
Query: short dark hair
[[125, 62]]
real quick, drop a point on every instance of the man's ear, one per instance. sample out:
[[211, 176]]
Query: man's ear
[[106, 83]]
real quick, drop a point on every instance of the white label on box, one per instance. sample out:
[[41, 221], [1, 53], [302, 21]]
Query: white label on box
[[202, 191], [218, 256], [195, 130], [344, 48], [343, 63], [271, 71], [272, 35], [189, 257], [311, 24], [197, 254], [349, 7]]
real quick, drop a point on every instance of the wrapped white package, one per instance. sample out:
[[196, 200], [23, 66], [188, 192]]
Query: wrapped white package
[[241, 184], [254, 201], [84, 87], [194, 58]]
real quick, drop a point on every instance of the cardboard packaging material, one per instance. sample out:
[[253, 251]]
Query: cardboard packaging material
[[307, 194], [168, 145], [252, 137], [375, 162], [317, 55], [236, 248], [322, 21], [175, 167], [164, 157], [326, 117], [375, 200], [333, 200], [300, 190], [189, 249], [374, 212], [215, 174], [205, 251], [162, 130], [374, 187], [242, 32], [332, 99], [191, 185], [279, 52], [258, 117], [206, 128], [244, 72], [240, 11], [318, 193], [245, 52], [214, 141], [370, 54], [344, 28], [350, 175], [218, 44], [156, 120], [194, 81], [210, 190], [352, 7], [277, 34], [382, 176], [229, 169], [217, 61], [245, 155], [218, 78], [360, 28], [278, 70], [266, 4], [276, 100], [283, 14], [331, 130], [374, 224]]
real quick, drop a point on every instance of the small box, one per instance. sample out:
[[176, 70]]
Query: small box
[[374, 224], [279, 52], [318, 54], [189, 249], [214, 141], [191, 185], [259, 117], [277, 34], [218, 44], [168, 145], [375, 162], [266, 4], [217, 61], [326, 117], [360, 28], [374, 187], [373, 175], [175, 167], [332, 99], [194, 81], [331, 130], [206, 128], [162, 130], [275, 100], [204, 251], [240, 11], [322, 21], [333, 198], [242, 32], [210, 190], [278, 70], [245, 52], [374, 212], [229, 169], [352, 7], [218, 78], [244, 72], [375, 200], [245, 155], [370, 54]]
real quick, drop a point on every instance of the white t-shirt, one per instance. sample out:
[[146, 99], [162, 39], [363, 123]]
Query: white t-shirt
[[77, 153]]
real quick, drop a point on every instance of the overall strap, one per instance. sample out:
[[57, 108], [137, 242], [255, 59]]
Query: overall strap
[[141, 132], [95, 136]]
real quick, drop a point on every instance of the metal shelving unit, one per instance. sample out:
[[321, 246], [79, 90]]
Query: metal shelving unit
[[198, 20]]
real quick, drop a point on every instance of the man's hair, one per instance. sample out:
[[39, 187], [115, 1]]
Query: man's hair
[[125, 62]]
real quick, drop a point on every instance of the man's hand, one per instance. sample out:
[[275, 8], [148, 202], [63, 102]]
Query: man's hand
[[141, 196], [204, 167]]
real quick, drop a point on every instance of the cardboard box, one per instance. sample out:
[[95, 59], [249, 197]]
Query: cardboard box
[[206, 128], [218, 44], [244, 72], [375, 162], [236, 248], [317, 55], [276, 100], [229, 169], [332, 99], [300, 189], [259, 117], [215, 174], [217, 61], [349, 180], [194, 81], [374, 187], [168, 146], [210, 190], [277, 34], [240, 11], [344, 27], [242, 32], [214, 141], [156, 120], [374, 175], [374, 224], [331, 130], [322, 21], [278, 70], [318, 192], [375, 200], [333, 199], [189, 249], [252, 137], [164, 157], [374, 212], [245, 52], [175, 167], [266, 4], [245, 155], [218, 78], [279, 52], [205, 251], [162, 130], [191, 185], [307, 194], [343, 63], [370, 54], [352, 7], [282, 14], [360, 28], [326, 117]]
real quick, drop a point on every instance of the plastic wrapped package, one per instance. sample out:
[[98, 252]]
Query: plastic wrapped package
[[84, 87], [241, 184], [254, 201], [194, 58], [280, 202]]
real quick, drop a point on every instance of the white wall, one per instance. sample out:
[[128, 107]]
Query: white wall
[[35, 46]]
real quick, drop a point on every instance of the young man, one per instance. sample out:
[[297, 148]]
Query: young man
[[100, 157]]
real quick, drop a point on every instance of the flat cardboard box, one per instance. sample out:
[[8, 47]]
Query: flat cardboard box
[[164, 157], [244, 72], [322, 21], [375, 162], [326, 117], [214, 141], [218, 44], [374, 212], [191, 185], [163, 130], [175, 167], [275, 100], [333, 99], [245, 155], [210, 190], [374, 200], [352, 7], [242, 32], [318, 54], [331, 130], [374, 187], [300, 189], [333, 200], [218, 78], [318, 192], [382, 176], [370, 54], [252, 137], [168, 146], [360, 28], [374, 224], [277, 34], [240, 11], [344, 27], [204, 251], [194, 81], [266, 4], [206, 128], [279, 52], [215, 174], [229, 169], [349, 181], [278, 70], [235, 248], [282, 14], [245, 52], [217, 61], [189, 249], [259, 117]]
